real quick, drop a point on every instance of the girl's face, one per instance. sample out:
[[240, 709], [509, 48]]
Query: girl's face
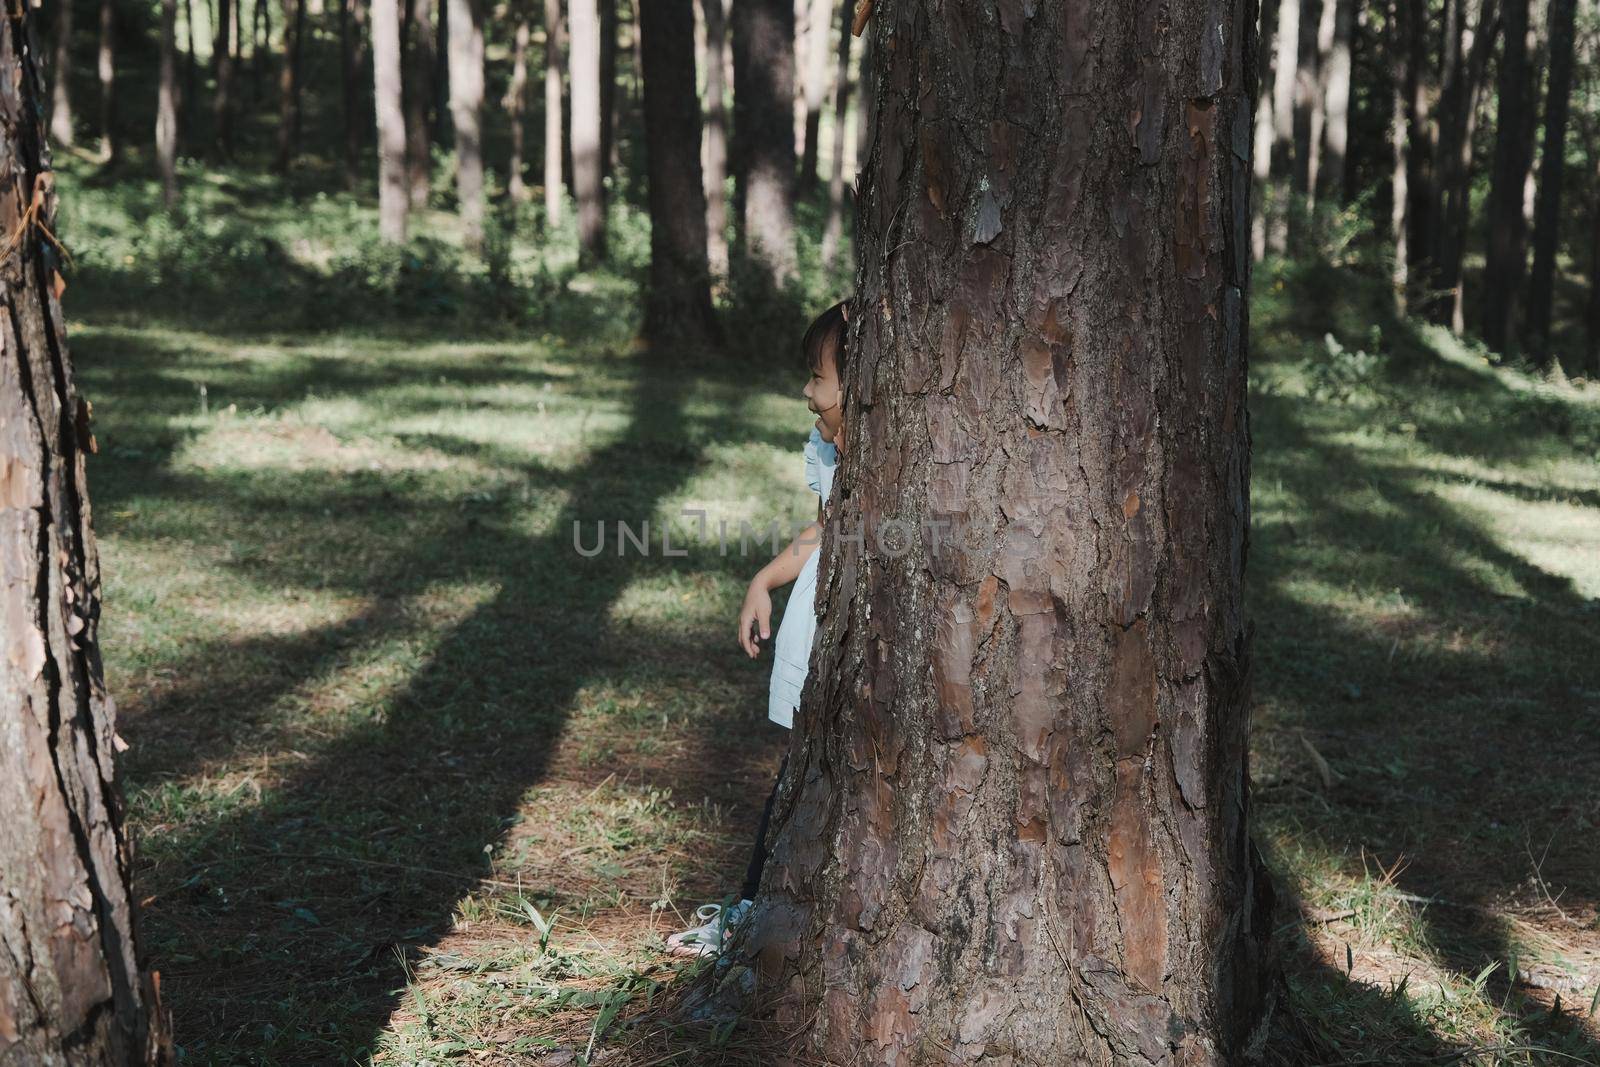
[[825, 398]]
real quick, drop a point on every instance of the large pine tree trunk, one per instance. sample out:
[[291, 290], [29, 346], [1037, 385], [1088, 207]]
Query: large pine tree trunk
[[1552, 167], [833, 229], [554, 67], [61, 131], [71, 988], [715, 152], [762, 153], [393, 187], [167, 104], [1014, 827], [678, 304], [1507, 256], [588, 190], [466, 115]]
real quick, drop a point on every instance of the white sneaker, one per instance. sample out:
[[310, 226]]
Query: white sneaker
[[717, 924]]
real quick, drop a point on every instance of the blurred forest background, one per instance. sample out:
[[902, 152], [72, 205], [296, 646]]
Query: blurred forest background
[[357, 289]]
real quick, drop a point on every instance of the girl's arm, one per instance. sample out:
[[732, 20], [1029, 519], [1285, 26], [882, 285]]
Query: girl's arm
[[756, 612]]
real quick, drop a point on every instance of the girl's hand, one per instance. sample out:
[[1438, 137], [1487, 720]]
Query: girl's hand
[[756, 612]]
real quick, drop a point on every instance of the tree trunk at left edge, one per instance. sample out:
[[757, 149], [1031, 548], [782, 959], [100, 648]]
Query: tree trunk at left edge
[[1013, 829], [71, 987]]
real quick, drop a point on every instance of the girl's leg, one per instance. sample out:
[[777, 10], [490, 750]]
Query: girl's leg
[[758, 855]]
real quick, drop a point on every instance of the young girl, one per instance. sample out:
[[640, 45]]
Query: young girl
[[824, 348]]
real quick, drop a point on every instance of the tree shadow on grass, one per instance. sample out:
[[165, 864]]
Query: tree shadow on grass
[[1436, 705], [281, 919]]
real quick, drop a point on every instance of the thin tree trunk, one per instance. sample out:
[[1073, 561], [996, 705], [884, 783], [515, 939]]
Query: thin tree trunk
[[1503, 271], [1422, 136], [833, 231], [352, 59], [678, 304], [167, 105], [1262, 135], [466, 115], [814, 87], [1458, 126], [1403, 86], [762, 154], [1307, 79], [1336, 103], [221, 102], [419, 93], [516, 105], [716, 137], [288, 84], [191, 69], [583, 30], [61, 85], [1327, 29], [393, 188], [1552, 167], [1014, 828], [1286, 70], [72, 990], [554, 68], [106, 68], [608, 86]]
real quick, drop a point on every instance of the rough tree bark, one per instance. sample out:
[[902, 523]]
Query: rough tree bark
[[393, 191], [554, 67], [1507, 254], [715, 151], [762, 154], [678, 303], [420, 92], [106, 71], [61, 78], [1014, 826], [167, 104], [1552, 167], [515, 103], [71, 988], [833, 230], [466, 115], [588, 190]]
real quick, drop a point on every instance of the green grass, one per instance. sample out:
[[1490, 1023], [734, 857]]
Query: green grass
[[414, 782]]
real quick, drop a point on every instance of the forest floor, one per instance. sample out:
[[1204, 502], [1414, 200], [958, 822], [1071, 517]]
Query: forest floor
[[414, 781]]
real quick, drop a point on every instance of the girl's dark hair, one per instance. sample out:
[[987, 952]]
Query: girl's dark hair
[[828, 332]]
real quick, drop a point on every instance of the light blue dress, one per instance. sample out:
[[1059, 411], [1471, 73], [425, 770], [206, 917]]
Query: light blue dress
[[791, 652]]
